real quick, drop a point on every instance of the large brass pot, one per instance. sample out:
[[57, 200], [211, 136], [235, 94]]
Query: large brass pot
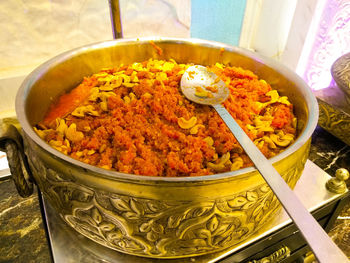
[[148, 216]]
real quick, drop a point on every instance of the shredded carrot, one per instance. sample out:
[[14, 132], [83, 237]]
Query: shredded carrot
[[213, 89], [159, 50], [282, 116], [68, 102]]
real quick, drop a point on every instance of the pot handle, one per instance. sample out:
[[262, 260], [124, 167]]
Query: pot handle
[[11, 142]]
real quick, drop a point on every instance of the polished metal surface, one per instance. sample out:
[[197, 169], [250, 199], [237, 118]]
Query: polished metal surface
[[116, 20], [334, 113], [69, 246], [11, 142], [337, 184], [334, 101], [158, 217], [341, 74], [275, 257], [196, 77]]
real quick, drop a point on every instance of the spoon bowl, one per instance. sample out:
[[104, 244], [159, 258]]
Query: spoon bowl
[[196, 82]]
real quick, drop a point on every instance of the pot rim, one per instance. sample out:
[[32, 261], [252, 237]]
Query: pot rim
[[20, 106]]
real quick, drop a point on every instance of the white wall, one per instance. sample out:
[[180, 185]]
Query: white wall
[[33, 31], [266, 26]]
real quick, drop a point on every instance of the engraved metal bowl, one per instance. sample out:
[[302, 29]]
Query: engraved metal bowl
[[340, 71], [152, 216]]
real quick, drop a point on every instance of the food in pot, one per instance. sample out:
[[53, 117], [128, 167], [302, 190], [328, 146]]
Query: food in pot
[[134, 119]]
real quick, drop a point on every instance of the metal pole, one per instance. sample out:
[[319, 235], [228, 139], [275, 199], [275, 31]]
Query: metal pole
[[115, 18]]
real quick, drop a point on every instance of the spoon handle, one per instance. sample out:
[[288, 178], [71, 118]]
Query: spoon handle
[[324, 248]]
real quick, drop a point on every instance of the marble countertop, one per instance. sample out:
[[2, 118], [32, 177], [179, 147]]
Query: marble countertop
[[22, 234]]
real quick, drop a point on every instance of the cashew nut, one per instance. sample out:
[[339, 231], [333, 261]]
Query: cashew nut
[[167, 66], [225, 157], [133, 77], [72, 134], [109, 86], [284, 100], [42, 133], [104, 80], [129, 85], [147, 95], [117, 81], [137, 66], [126, 99], [269, 142], [259, 143], [94, 94], [61, 126], [103, 147], [194, 129], [104, 98], [55, 143], [63, 147], [132, 96], [103, 105], [161, 76], [274, 95], [187, 124], [274, 98], [237, 164], [219, 65], [101, 74], [216, 167], [126, 78], [264, 129], [82, 110], [221, 164], [209, 140], [91, 152], [261, 125], [282, 140]]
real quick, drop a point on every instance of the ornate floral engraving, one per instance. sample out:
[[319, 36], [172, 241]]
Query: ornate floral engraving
[[334, 121], [158, 228]]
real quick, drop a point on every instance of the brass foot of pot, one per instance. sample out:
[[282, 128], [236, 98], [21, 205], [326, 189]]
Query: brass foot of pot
[[337, 184]]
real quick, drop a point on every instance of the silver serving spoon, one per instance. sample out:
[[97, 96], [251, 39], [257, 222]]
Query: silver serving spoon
[[194, 81]]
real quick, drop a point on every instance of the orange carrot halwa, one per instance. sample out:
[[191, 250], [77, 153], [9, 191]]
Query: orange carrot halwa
[[134, 119]]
